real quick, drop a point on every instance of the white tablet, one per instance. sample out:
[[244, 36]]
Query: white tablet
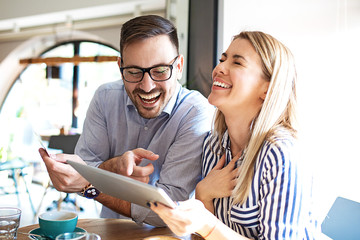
[[122, 187]]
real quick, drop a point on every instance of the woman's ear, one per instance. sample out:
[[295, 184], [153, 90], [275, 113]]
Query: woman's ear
[[265, 89]]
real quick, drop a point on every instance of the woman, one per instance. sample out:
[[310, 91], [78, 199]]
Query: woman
[[252, 186]]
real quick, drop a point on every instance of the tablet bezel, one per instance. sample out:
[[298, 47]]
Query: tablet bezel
[[122, 187]]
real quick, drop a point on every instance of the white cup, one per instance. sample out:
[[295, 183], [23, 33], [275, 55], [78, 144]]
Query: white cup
[[9, 222]]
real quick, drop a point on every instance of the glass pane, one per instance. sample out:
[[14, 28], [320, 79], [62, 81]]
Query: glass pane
[[34, 103], [88, 49], [92, 75], [66, 50], [40, 102]]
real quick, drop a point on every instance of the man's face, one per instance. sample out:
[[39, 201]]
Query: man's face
[[150, 97]]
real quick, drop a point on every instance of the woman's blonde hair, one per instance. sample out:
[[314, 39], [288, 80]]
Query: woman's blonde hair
[[278, 111]]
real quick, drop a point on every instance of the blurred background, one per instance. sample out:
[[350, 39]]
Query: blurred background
[[52, 99]]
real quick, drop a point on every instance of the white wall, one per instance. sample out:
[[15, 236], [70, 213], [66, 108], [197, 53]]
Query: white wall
[[18, 9], [110, 34], [324, 36]]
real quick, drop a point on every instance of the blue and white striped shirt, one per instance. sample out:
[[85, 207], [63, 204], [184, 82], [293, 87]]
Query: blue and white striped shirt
[[277, 206]]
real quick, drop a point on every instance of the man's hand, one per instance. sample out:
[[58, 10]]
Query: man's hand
[[63, 176], [127, 164]]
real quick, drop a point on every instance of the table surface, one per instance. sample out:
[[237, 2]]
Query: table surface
[[118, 229]]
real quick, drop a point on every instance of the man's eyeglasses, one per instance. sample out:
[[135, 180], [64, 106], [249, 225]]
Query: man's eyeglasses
[[158, 73]]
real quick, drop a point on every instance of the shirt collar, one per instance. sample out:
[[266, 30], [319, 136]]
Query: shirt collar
[[171, 104], [225, 141]]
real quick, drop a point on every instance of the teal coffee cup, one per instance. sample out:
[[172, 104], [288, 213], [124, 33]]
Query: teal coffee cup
[[57, 222]]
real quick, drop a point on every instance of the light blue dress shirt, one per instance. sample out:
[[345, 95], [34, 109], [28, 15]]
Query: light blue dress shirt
[[113, 126]]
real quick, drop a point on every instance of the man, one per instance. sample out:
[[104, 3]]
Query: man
[[147, 126]]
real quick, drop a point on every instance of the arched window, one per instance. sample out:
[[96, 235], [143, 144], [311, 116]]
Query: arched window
[[50, 98]]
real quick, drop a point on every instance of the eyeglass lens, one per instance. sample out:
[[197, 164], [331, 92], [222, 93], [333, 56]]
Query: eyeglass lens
[[160, 73]]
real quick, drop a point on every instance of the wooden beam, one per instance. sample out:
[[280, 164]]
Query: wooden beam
[[75, 60]]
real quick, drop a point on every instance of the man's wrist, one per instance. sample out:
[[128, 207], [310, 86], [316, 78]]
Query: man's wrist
[[107, 165], [89, 192], [118, 205]]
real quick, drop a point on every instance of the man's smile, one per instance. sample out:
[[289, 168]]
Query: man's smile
[[149, 99]]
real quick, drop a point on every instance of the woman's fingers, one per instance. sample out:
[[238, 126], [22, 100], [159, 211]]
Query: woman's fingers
[[175, 219], [220, 164]]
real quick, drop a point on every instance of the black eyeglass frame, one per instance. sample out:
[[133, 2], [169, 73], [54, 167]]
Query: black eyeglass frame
[[147, 70]]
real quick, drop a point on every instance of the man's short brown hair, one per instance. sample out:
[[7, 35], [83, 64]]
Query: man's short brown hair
[[148, 26]]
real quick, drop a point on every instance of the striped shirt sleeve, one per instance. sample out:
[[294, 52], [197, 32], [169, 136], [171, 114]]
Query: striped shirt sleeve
[[280, 193]]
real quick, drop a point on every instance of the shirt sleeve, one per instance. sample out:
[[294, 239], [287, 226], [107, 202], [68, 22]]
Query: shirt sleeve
[[94, 132], [181, 170], [281, 194]]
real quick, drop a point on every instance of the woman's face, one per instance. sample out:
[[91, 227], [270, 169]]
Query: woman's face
[[239, 85]]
